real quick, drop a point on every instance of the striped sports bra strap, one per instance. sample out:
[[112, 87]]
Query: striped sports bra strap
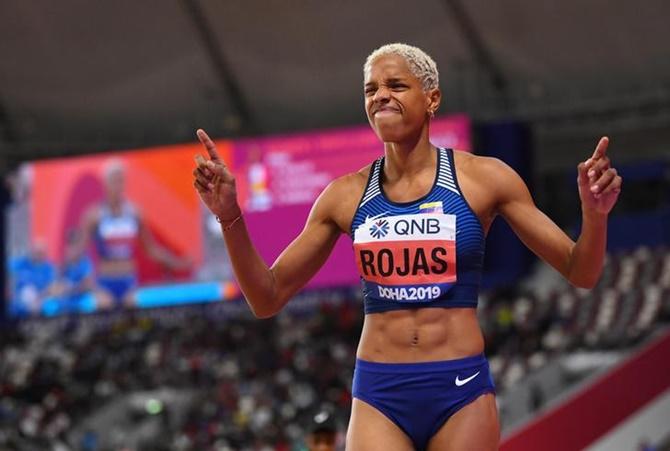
[[445, 166], [372, 188], [376, 173], [446, 177]]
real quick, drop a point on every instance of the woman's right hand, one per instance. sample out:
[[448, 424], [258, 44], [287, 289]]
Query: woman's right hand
[[215, 183]]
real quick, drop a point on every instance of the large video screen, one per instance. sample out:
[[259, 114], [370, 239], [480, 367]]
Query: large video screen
[[127, 229]]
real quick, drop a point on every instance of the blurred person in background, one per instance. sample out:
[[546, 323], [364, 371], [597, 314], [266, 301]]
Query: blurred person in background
[[76, 290], [17, 213], [116, 228], [418, 217], [32, 280], [645, 445], [322, 434]]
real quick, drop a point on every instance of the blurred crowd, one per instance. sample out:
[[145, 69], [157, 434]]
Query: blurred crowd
[[254, 384], [214, 378], [542, 317]]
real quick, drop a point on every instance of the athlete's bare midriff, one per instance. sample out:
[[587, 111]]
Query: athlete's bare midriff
[[423, 334], [420, 335], [113, 268]]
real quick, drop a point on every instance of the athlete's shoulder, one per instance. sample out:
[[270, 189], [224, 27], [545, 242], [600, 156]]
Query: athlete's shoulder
[[134, 211], [490, 169], [471, 162], [340, 197], [490, 175], [131, 208], [349, 185]]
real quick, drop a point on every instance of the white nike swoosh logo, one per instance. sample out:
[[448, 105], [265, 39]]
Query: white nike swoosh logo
[[465, 381]]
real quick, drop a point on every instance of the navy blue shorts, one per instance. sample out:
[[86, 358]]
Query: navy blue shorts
[[118, 286], [420, 397]]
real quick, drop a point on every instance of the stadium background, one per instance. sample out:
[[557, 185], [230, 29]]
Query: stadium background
[[538, 82]]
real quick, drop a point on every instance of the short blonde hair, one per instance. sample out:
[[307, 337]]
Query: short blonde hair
[[113, 166], [420, 63]]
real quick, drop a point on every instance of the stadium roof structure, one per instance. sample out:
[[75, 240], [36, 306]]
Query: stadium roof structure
[[78, 76]]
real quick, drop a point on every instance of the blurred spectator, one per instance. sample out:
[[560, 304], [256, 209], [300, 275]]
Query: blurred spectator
[[31, 280], [76, 290], [646, 446], [323, 432], [18, 212]]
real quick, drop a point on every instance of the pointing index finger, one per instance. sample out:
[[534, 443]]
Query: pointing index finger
[[209, 145], [601, 148]]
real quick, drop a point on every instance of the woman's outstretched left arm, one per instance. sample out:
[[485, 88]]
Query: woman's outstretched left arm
[[599, 186]]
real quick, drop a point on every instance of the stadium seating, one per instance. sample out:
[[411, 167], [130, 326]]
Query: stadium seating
[[212, 377]]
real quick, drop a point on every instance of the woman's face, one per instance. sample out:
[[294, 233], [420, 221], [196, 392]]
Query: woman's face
[[115, 185], [395, 102]]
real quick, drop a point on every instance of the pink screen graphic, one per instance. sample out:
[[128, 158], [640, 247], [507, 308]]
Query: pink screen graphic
[[278, 179]]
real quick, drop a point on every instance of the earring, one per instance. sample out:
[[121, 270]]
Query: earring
[[431, 113]]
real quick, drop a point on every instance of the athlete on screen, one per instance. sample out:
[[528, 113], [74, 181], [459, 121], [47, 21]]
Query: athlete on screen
[[418, 217], [116, 228]]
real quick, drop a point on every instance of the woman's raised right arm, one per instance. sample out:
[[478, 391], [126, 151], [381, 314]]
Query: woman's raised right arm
[[267, 289]]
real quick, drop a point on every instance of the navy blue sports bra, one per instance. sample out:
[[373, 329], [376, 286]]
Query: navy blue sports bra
[[424, 253], [116, 235]]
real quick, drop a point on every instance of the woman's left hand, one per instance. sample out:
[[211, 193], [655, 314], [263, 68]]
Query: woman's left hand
[[598, 182]]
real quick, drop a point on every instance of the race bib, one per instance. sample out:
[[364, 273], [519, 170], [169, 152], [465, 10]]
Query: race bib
[[408, 251]]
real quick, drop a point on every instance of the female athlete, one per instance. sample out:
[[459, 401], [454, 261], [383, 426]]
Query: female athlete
[[418, 217]]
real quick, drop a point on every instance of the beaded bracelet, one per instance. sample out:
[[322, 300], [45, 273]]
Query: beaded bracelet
[[229, 226]]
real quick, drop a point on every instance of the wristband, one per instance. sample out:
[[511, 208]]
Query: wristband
[[229, 226]]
